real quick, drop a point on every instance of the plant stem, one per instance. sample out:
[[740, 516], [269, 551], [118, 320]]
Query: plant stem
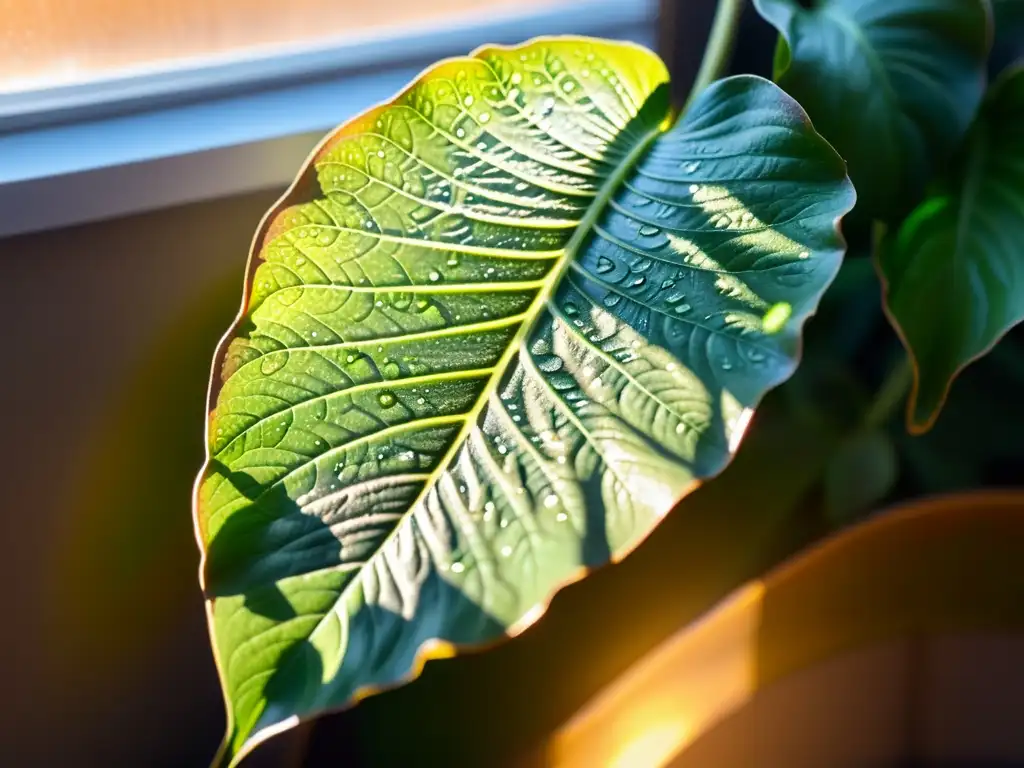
[[890, 395], [719, 47]]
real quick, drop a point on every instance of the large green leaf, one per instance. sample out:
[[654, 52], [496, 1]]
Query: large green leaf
[[892, 84], [494, 332], [954, 271]]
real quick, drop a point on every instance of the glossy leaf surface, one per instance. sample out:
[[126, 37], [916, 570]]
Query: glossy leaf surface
[[496, 330], [892, 84], [954, 272]]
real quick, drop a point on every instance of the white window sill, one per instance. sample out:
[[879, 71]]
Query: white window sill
[[76, 154]]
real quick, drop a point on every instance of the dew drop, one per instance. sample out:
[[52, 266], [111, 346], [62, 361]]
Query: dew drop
[[682, 309], [468, 101], [804, 254], [694, 189], [570, 309], [648, 230], [272, 364], [386, 399], [605, 265], [550, 500], [611, 299], [434, 276], [516, 78], [561, 517], [691, 167], [550, 363], [459, 133], [458, 567], [485, 116], [506, 551], [726, 365], [639, 281]]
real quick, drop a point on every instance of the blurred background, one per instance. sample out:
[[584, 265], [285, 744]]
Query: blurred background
[[140, 144]]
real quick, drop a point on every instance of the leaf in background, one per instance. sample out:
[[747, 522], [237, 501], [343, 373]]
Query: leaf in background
[[892, 84], [954, 272], [860, 474], [494, 332]]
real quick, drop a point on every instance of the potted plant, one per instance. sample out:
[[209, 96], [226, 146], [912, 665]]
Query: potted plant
[[504, 323]]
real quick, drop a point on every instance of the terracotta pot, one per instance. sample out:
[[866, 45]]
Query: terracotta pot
[[899, 641]]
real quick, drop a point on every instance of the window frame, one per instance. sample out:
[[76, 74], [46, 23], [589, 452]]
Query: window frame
[[73, 154]]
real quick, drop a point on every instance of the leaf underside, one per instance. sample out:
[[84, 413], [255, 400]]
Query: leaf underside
[[892, 84], [954, 272], [499, 326]]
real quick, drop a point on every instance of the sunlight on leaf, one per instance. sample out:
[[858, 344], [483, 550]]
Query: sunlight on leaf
[[473, 363]]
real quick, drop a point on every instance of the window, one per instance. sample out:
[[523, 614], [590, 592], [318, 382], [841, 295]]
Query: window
[[114, 106]]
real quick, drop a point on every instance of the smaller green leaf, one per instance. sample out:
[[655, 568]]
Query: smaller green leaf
[[861, 473], [892, 84], [954, 272]]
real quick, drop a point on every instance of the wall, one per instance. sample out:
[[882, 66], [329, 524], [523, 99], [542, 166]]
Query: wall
[[108, 331]]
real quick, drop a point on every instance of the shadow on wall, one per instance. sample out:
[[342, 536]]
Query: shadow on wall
[[112, 326]]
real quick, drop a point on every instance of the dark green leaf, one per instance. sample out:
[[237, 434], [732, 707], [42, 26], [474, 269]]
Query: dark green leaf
[[1009, 39], [954, 272], [497, 329], [893, 84]]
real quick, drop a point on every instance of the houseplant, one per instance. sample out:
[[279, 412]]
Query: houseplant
[[502, 324]]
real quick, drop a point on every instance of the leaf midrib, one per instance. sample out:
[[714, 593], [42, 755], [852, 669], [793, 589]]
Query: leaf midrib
[[607, 190], [579, 236]]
